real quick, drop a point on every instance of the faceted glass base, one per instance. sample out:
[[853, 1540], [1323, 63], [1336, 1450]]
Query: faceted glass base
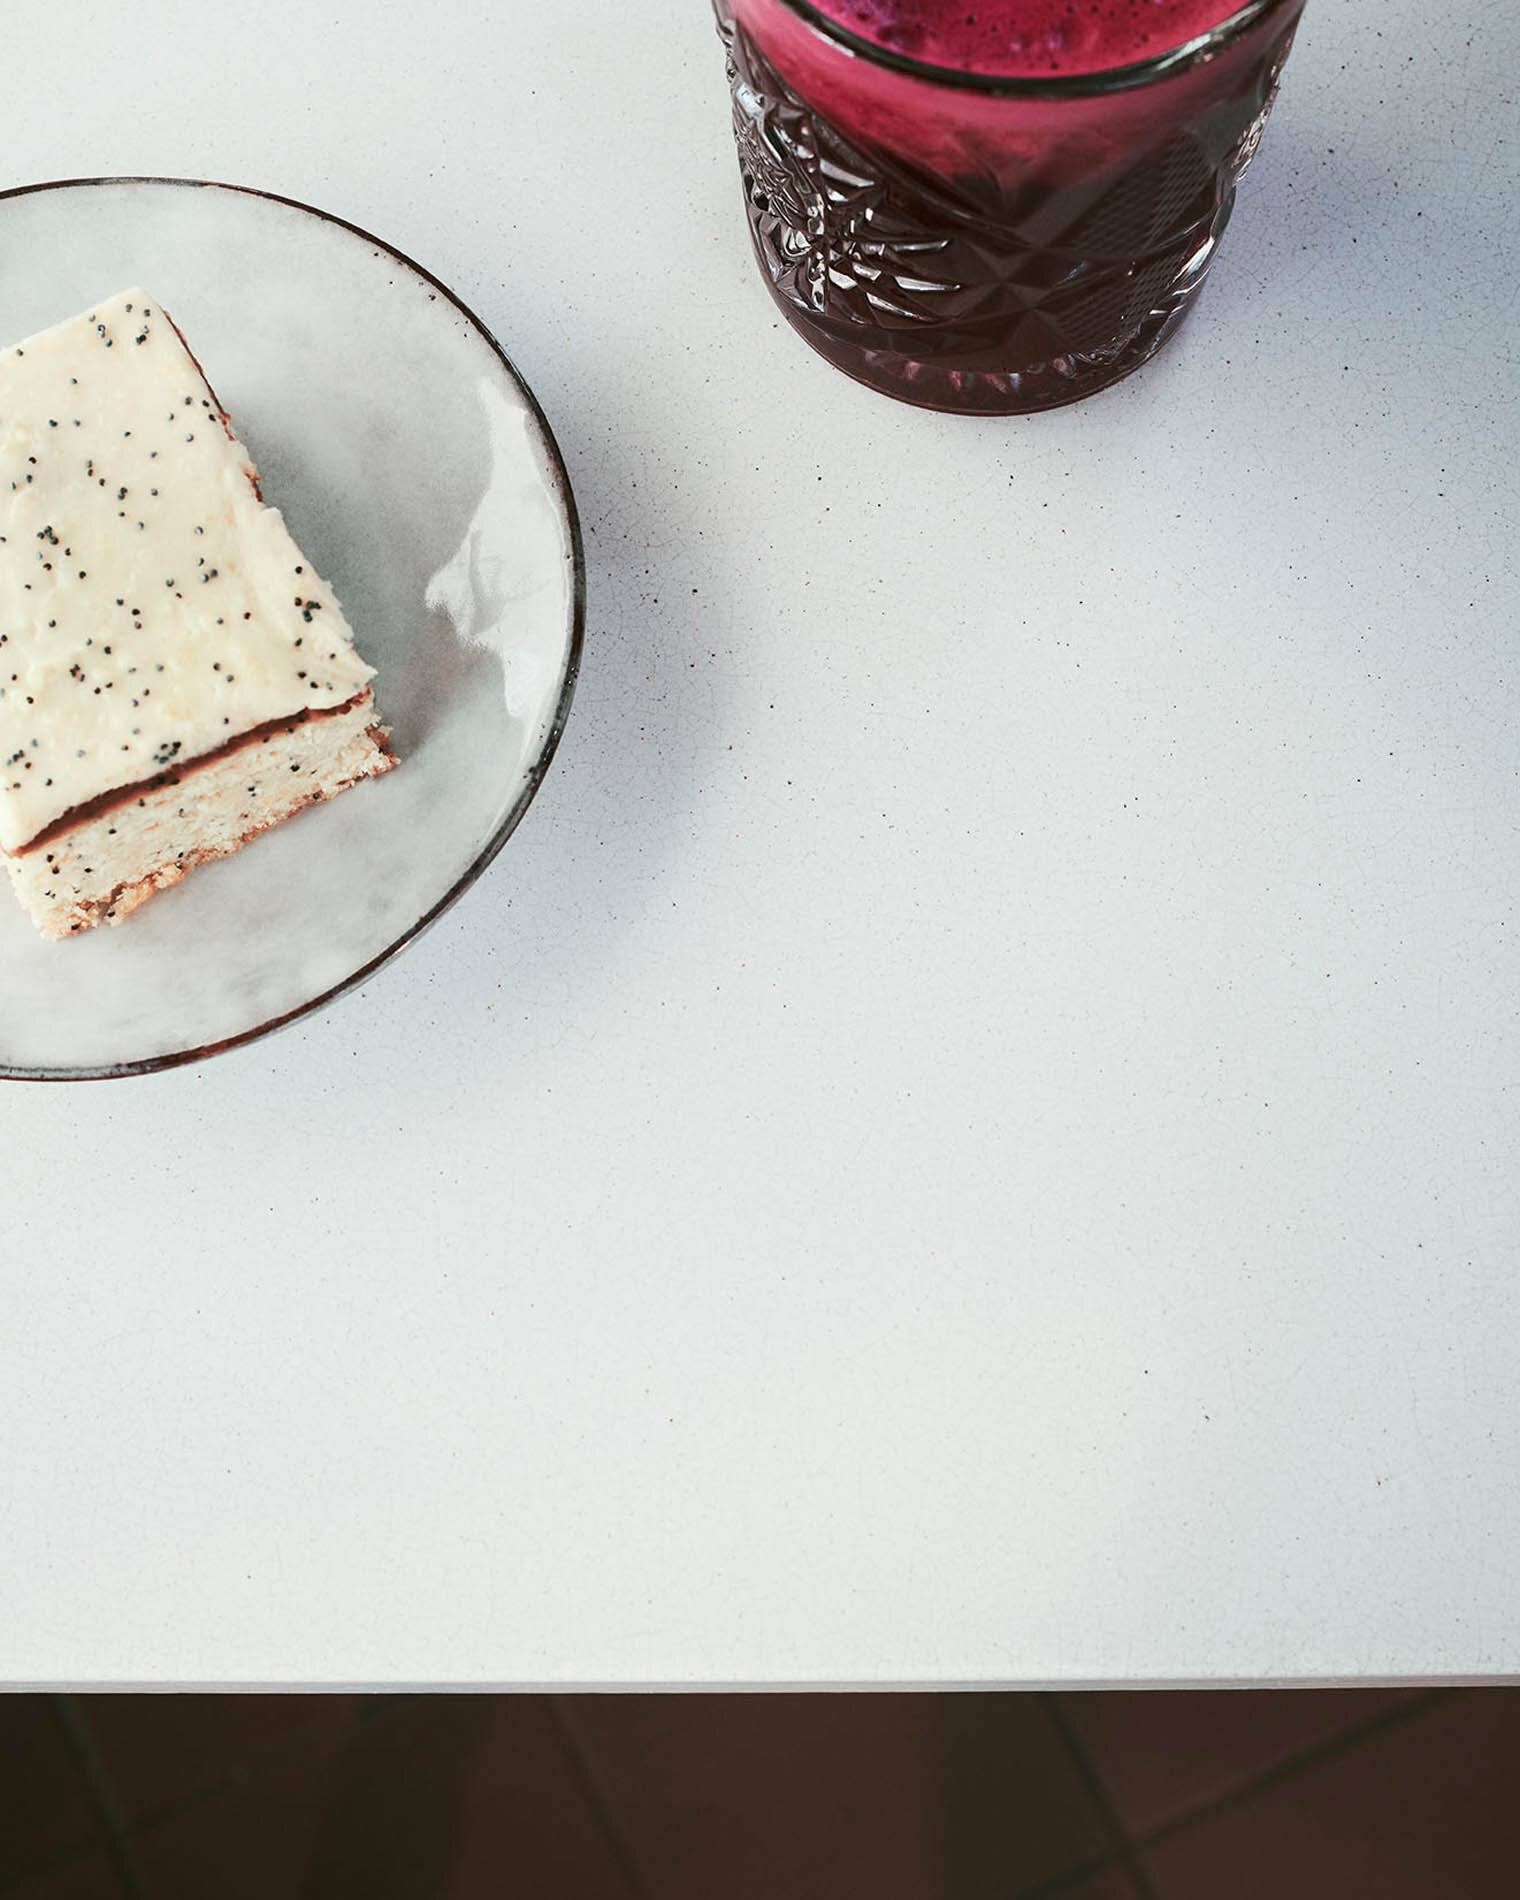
[[933, 384]]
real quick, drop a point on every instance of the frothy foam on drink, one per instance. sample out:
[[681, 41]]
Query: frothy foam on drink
[[1032, 38]]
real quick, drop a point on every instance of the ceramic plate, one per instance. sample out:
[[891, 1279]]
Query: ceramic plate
[[415, 468]]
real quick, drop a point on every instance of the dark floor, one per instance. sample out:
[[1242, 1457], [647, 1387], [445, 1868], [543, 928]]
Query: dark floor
[[1287, 1795]]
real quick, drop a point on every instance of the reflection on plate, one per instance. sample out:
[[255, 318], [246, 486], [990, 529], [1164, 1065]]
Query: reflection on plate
[[416, 469]]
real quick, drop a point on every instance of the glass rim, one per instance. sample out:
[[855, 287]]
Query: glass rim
[[1143, 72]]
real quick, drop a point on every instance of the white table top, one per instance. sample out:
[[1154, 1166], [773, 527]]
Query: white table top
[[973, 1135]]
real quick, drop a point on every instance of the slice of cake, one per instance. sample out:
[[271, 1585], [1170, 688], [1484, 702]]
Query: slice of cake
[[174, 676]]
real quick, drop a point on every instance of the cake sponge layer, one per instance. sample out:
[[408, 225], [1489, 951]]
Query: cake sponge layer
[[101, 868]]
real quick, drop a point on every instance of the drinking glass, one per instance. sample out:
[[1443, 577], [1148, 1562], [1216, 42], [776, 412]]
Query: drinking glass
[[980, 243]]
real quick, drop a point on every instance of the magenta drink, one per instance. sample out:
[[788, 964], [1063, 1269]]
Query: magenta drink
[[995, 208]]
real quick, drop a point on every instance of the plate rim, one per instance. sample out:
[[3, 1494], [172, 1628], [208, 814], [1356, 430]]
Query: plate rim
[[537, 771]]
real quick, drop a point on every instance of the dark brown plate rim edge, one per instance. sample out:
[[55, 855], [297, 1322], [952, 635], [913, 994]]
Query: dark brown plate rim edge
[[151, 1065]]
